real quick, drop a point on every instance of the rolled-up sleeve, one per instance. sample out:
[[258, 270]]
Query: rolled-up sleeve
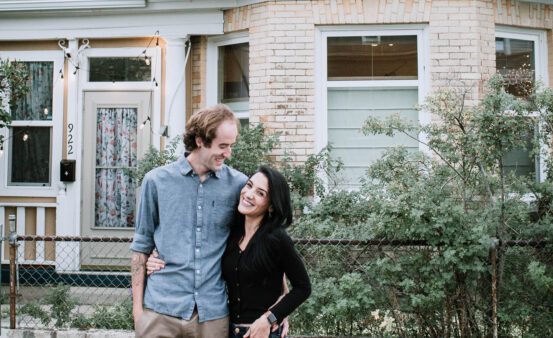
[[147, 217]]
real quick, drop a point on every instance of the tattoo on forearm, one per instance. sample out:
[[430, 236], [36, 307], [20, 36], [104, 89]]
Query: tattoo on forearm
[[138, 263]]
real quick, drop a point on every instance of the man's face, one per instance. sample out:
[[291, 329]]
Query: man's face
[[213, 157]]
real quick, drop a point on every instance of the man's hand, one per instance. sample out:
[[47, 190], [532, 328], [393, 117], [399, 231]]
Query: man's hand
[[154, 263], [259, 329]]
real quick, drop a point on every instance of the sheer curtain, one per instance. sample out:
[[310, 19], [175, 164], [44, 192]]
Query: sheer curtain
[[116, 152], [39, 97]]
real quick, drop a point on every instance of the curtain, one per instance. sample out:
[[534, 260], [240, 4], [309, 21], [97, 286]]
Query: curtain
[[39, 97], [116, 153]]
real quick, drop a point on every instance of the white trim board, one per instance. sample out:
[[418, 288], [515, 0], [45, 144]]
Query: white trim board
[[66, 26]]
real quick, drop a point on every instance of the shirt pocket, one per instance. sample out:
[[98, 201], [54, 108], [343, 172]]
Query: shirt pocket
[[222, 215]]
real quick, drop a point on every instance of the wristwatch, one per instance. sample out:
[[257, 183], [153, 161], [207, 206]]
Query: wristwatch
[[271, 318]]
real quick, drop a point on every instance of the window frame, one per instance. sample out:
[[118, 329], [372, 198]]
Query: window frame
[[322, 84], [539, 37], [55, 125], [212, 69]]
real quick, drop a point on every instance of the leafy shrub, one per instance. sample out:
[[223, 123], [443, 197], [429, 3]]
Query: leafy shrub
[[56, 306], [253, 148]]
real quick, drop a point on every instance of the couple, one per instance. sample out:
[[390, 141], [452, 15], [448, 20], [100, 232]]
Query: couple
[[188, 214]]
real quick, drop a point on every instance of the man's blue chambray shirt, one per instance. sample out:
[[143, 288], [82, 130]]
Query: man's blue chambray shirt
[[188, 221]]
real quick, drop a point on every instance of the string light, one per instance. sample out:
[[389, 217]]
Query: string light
[[144, 123], [147, 60], [45, 111], [25, 136], [1, 150]]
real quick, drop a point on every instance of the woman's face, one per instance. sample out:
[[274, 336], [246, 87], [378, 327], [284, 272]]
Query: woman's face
[[254, 197]]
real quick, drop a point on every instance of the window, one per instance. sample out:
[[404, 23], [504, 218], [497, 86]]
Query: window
[[31, 133], [515, 61], [520, 60], [229, 74], [120, 69], [368, 73]]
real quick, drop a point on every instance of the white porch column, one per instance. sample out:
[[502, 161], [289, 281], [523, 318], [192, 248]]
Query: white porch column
[[175, 88], [68, 199]]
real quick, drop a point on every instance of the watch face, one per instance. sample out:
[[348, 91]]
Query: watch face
[[272, 319]]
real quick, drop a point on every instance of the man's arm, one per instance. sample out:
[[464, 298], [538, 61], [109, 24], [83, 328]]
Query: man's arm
[[138, 277]]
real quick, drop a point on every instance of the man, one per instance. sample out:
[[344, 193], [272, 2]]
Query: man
[[185, 212]]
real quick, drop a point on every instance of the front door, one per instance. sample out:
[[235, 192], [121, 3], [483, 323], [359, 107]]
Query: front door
[[116, 134]]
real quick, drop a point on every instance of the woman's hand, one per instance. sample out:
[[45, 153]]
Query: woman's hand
[[259, 329], [154, 263], [285, 327]]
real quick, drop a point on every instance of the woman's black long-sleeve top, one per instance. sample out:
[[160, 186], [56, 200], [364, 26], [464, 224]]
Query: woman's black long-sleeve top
[[253, 292]]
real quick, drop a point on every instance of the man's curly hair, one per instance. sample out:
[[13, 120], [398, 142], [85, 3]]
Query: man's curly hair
[[204, 125]]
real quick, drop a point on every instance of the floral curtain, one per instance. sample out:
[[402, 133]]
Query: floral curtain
[[116, 152], [41, 83]]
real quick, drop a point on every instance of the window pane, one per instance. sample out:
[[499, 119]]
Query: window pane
[[120, 69], [348, 108], [520, 161], [30, 156], [37, 104], [515, 62], [233, 73], [372, 58], [116, 153]]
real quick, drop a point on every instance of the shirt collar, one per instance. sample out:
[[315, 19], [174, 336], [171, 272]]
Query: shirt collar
[[187, 170]]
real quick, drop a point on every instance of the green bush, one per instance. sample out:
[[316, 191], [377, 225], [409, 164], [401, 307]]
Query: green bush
[[57, 305]]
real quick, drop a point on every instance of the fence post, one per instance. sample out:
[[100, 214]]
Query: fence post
[[13, 248], [493, 260]]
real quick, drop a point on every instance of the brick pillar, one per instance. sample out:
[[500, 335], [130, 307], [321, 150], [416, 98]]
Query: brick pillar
[[282, 82], [462, 45]]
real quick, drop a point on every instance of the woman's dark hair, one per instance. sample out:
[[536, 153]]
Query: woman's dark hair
[[264, 243]]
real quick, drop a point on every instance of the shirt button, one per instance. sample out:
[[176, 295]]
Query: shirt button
[[237, 316], [198, 229], [195, 293], [199, 207], [197, 250], [238, 299], [235, 269], [237, 284], [198, 271]]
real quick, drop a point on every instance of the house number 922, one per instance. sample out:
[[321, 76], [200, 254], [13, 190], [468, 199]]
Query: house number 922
[[70, 139]]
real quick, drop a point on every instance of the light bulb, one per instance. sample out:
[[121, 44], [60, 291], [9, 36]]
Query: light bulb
[[142, 125], [25, 137], [147, 60], [45, 111]]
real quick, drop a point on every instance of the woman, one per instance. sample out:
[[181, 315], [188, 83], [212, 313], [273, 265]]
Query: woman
[[259, 252]]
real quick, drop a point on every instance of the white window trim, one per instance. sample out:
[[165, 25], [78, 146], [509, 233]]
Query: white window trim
[[539, 37], [56, 123], [213, 44], [322, 84]]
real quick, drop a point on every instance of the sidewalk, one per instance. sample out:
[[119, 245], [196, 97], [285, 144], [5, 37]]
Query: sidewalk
[[25, 333]]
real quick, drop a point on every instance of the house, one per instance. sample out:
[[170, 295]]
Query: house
[[110, 78]]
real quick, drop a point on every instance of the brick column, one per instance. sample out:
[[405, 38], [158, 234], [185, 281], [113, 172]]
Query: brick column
[[282, 83], [462, 45]]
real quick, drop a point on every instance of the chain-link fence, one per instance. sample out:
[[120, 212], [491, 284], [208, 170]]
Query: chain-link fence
[[360, 288]]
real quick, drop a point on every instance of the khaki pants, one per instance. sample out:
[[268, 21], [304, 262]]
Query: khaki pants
[[153, 324]]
